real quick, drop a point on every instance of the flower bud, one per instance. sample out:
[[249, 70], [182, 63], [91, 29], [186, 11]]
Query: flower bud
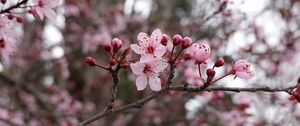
[[107, 47], [3, 1], [2, 43], [186, 42], [188, 56], [112, 62], [164, 40], [116, 44], [219, 62], [19, 20], [91, 61], [10, 17], [177, 39], [210, 72], [125, 65]]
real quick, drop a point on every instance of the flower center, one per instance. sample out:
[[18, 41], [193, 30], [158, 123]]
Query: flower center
[[150, 49], [41, 3], [148, 69]]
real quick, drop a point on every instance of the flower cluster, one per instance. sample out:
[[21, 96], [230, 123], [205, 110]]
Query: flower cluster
[[151, 62]]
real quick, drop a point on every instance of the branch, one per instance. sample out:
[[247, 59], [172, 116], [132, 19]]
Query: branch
[[140, 103], [7, 10]]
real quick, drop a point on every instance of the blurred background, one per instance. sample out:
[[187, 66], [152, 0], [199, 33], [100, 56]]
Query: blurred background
[[46, 82]]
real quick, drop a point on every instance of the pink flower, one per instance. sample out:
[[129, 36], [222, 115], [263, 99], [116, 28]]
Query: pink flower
[[43, 8], [8, 38], [149, 47], [148, 72], [242, 69], [200, 52]]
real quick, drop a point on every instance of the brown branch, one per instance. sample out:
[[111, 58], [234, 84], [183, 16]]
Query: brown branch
[[17, 5], [140, 103]]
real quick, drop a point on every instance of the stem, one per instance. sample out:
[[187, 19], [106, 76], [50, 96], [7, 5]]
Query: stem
[[102, 67], [178, 54], [220, 78], [17, 5], [199, 70], [172, 54]]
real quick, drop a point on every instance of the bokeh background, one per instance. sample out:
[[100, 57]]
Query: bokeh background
[[46, 82]]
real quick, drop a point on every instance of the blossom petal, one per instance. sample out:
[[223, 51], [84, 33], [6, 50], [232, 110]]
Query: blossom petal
[[159, 66], [143, 39], [156, 36], [147, 58], [49, 13], [245, 74], [137, 49], [160, 50], [40, 13], [141, 82], [241, 65], [137, 68], [154, 82]]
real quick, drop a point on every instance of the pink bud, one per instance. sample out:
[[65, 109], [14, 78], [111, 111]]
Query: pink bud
[[116, 44], [19, 20], [177, 39], [210, 72], [10, 17], [112, 62], [107, 47], [188, 56], [186, 42], [219, 62], [3, 1], [2, 43], [91, 61], [164, 39], [125, 65]]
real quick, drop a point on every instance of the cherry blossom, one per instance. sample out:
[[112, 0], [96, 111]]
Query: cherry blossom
[[148, 72], [43, 8], [149, 47], [242, 69], [200, 52], [8, 38]]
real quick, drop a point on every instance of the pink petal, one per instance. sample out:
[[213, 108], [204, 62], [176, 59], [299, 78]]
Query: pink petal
[[156, 36], [154, 83], [141, 82], [159, 66], [143, 39], [137, 49], [147, 58], [52, 3], [240, 64], [40, 13], [137, 68], [50, 13], [245, 74], [160, 50]]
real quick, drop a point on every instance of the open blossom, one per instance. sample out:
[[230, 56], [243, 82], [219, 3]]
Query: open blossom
[[8, 38], [149, 47], [148, 72], [241, 69], [43, 8], [200, 52]]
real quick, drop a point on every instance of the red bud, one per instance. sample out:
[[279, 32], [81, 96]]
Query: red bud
[[177, 39], [116, 44], [91, 61], [186, 42], [112, 62], [219, 62], [164, 40]]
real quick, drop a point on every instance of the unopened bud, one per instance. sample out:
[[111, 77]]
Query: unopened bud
[[91, 61], [10, 17], [125, 65], [219, 62], [210, 72], [187, 56], [107, 47], [112, 62], [177, 39], [116, 44], [3, 1], [19, 20], [164, 40], [186, 42], [2, 43]]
